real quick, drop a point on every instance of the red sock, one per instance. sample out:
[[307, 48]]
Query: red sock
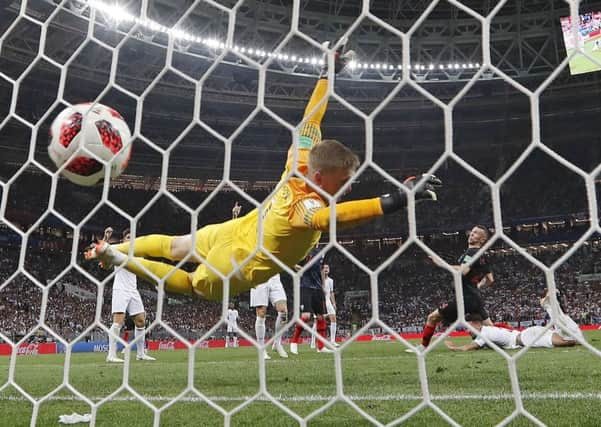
[[428, 333], [503, 325], [298, 330], [125, 336], [321, 331]]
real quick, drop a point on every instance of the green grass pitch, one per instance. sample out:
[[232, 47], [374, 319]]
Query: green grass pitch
[[562, 387]]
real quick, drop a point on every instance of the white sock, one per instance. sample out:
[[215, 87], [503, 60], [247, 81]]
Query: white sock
[[260, 330], [333, 331], [139, 339], [227, 339], [314, 333], [114, 256], [573, 332], [114, 333], [279, 322], [235, 340]]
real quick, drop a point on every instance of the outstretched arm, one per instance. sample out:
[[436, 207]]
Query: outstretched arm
[[466, 347], [486, 281], [463, 268], [310, 134], [310, 213]]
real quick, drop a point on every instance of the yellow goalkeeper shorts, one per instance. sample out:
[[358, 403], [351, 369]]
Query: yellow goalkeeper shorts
[[214, 245]]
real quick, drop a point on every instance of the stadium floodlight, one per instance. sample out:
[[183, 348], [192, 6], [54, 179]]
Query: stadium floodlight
[[118, 13]]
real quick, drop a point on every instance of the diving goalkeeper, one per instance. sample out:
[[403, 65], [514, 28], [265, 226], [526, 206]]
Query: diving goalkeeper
[[293, 219]]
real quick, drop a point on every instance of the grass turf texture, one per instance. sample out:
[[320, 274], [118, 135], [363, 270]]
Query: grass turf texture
[[380, 375]]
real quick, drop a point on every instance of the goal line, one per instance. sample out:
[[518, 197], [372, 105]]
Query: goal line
[[325, 398]]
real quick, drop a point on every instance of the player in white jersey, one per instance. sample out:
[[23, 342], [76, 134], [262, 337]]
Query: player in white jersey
[[272, 292], [328, 290], [534, 336], [232, 327], [126, 298]]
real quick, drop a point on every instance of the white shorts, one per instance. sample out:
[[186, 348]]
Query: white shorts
[[530, 334], [330, 307], [232, 329], [127, 301], [271, 291]]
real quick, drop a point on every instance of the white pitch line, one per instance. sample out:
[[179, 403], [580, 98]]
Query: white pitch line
[[323, 398]]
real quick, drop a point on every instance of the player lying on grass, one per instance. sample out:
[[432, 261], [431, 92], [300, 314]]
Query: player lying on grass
[[534, 336], [293, 220]]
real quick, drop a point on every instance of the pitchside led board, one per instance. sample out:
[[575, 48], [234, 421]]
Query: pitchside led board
[[589, 39]]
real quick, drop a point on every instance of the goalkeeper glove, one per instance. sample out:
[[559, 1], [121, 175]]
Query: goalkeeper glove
[[426, 190], [342, 58]]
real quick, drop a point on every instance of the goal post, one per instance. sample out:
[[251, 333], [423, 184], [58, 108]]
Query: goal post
[[110, 25]]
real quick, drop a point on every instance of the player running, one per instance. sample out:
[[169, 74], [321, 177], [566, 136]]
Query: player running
[[474, 278], [534, 336], [293, 220], [272, 292], [232, 327], [126, 298]]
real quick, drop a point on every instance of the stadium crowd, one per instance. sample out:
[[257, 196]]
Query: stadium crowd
[[555, 197], [546, 215], [408, 290]]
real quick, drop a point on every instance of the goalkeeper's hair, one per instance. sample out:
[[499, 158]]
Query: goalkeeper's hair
[[330, 155]]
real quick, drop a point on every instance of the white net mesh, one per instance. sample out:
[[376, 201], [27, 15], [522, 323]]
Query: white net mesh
[[130, 22]]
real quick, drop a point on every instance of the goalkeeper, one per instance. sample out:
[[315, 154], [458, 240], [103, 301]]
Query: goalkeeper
[[293, 219]]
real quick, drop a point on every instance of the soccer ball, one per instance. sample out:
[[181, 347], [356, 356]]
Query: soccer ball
[[98, 128]]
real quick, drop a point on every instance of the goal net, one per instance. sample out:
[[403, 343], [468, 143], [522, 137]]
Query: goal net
[[213, 93]]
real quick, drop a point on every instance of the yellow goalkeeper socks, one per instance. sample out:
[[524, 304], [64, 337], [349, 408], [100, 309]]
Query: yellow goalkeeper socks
[[153, 245], [178, 282]]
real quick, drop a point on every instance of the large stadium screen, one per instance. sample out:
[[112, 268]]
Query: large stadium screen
[[589, 39]]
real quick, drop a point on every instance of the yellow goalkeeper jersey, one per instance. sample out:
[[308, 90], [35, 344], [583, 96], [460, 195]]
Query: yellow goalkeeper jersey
[[288, 231]]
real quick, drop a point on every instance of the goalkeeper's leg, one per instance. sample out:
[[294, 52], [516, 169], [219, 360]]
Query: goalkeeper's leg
[[173, 248], [176, 280]]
